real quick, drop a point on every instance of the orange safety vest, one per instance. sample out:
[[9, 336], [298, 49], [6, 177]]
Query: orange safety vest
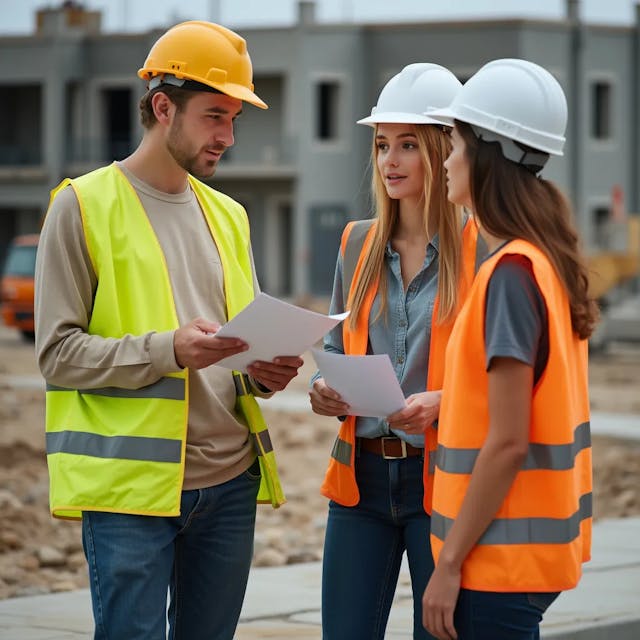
[[340, 480], [541, 534]]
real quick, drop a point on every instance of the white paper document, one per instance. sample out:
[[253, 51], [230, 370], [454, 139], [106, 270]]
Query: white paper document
[[368, 384], [274, 328]]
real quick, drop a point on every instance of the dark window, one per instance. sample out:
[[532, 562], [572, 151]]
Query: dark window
[[118, 129], [328, 94], [601, 227], [285, 220], [21, 133], [601, 110]]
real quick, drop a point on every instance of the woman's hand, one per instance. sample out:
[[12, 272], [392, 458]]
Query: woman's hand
[[325, 401], [419, 413], [439, 602]]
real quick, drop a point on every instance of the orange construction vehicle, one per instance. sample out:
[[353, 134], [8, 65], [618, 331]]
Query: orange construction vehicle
[[16, 289], [614, 279], [613, 267]]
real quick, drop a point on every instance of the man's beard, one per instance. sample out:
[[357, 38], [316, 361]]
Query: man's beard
[[184, 158]]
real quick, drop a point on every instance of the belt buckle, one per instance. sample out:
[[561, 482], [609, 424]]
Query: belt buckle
[[403, 446]]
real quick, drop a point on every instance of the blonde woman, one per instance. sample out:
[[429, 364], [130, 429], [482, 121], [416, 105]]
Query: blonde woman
[[403, 276]]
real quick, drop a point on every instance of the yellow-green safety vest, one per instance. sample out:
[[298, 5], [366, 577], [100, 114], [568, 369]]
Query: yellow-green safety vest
[[123, 450]]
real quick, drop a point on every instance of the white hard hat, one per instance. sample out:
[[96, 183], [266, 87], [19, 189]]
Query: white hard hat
[[418, 87], [509, 101]]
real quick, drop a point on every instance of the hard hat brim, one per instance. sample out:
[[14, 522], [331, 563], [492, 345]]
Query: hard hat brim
[[449, 116], [397, 117], [442, 116], [242, 93]]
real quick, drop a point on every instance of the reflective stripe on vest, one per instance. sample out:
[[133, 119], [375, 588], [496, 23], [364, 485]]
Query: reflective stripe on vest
[[555, 457], [168, 388], [353, 244], [510, 531], [342, 451], [123, 447], [340, 482], [541, 532]]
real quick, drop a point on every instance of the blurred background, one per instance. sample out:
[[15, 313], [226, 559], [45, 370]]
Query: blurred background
[[69, 104], [69, 95]]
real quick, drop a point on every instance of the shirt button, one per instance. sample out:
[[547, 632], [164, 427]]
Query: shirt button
[[400, 359], [403, 323]]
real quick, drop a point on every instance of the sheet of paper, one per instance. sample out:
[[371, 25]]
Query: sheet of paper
[[274, 328], [367, 383]]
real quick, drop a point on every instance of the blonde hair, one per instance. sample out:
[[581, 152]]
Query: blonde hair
[[434, 147]]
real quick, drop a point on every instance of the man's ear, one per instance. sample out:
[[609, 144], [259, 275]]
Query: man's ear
[[162, 107]]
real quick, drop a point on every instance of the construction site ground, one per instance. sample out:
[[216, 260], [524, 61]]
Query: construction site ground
[[39, 555]]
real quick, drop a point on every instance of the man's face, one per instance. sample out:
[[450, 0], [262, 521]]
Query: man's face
[[202, 131]]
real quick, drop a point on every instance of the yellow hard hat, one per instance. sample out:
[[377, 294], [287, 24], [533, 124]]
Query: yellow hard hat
[[206, 53]]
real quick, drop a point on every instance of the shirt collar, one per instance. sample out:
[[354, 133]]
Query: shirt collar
[[434, 242]]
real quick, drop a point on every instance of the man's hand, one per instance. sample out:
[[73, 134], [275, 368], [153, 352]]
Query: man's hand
[[419, 413], [277, 374], [196, 346], [325, 401]]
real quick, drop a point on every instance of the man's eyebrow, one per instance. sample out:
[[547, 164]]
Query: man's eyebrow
[[222, 111]]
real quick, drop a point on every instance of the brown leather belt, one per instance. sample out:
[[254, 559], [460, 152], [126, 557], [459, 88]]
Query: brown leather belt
[[389, 447]]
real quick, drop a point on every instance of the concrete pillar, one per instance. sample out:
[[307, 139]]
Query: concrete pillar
[[634, 190], [53, 114], [576, 130]]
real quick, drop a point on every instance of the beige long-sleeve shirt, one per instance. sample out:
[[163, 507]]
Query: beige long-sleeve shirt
[[218, 446]]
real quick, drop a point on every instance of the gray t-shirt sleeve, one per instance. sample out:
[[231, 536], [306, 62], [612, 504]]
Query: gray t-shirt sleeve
[[516, 315]]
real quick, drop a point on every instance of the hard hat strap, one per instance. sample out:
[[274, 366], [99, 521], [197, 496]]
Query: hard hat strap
[[531, 159], [165, 78], [183, 83]]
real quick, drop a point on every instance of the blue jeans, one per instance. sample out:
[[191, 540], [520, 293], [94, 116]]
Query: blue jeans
[[364, 546], [486, 615], [202, 557]]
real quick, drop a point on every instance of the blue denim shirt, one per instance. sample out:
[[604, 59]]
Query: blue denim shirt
[[403, 332]]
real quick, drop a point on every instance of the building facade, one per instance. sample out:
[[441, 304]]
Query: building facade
[[69, 103]]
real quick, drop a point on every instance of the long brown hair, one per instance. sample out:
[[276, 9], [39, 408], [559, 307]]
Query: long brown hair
[[434, 147], [510, 202]]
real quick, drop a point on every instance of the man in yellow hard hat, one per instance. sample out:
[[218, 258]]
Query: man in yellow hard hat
[[162, 455]]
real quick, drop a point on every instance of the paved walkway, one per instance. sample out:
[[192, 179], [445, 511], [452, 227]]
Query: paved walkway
[[284, 602]]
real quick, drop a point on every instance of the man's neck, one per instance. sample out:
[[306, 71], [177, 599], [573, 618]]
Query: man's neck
[[153, 164]]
